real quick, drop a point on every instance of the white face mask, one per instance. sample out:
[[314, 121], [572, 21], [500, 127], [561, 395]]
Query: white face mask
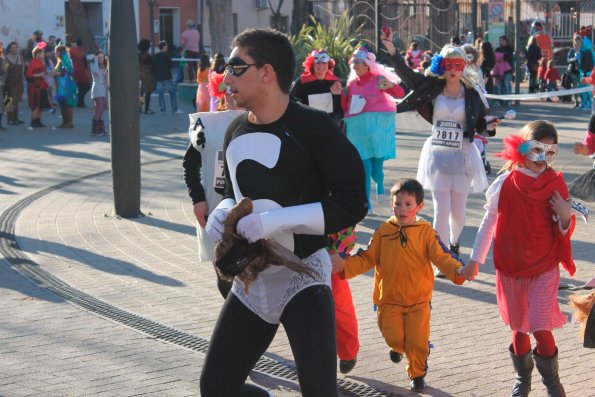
[[537, 151]]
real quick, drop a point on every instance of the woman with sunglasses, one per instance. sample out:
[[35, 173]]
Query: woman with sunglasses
[[318, 87], [450, 165], [370, 115]]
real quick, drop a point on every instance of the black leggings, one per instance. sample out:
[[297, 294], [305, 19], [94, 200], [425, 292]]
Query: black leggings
[[241, 337]]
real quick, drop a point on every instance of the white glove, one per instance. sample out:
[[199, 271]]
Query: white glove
[[250, 227], [214, 227], [299, 219]]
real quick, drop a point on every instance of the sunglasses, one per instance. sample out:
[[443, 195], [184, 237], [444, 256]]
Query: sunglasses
[[457, 66], [323, 57], [238, 68]]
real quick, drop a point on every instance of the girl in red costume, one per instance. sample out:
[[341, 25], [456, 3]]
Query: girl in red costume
[[531, 221], [36, 88]]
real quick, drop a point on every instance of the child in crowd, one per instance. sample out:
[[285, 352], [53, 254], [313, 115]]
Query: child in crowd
[[402, 251], [342, 243], [587, 147], [36, 86], [541, 74], [202, 78], [99, 64], [552, 76], [527, 205]]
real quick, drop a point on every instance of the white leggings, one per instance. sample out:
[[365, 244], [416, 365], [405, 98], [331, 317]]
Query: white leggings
[[449, 214]]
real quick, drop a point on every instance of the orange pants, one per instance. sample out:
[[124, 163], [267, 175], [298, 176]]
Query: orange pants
[[407, 330], [347, 335]]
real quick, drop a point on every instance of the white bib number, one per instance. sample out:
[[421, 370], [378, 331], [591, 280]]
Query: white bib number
[[447, 134], [219, 171]]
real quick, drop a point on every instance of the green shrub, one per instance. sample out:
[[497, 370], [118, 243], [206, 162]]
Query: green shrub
[[339, 39]]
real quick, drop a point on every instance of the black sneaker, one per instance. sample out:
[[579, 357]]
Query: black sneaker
[[418, 384], [345, 366], [395, 357], [455, 248]]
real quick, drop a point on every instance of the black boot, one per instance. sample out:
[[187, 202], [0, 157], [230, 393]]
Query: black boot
[[523, 365], [548, 368], [95, 127], [39, 123]]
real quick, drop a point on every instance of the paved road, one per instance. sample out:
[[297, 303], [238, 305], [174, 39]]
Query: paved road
[[145, 308]]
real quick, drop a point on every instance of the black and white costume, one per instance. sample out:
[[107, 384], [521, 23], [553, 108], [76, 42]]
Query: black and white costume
[[289, 170], [203, 166]]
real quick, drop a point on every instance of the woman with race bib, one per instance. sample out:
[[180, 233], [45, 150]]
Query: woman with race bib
[[450, 165]]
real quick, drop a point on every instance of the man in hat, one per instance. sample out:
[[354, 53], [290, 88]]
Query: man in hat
[[190, 43]]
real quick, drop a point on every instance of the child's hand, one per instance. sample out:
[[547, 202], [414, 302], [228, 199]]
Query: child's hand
[[338, 263], [580, 148], [471, 270], [562, 208]]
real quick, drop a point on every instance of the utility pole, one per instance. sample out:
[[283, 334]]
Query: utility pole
[[123, 109], [151, 4], [517, 48], [474, 19]]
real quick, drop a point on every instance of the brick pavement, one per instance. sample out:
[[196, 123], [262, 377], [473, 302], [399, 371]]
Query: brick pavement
[[148, 266]]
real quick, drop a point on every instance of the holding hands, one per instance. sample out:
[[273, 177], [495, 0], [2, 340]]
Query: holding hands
[[580, 148], [470, 271], [338, 263]]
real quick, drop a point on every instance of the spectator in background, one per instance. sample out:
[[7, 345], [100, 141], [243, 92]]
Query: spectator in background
[[99, 64], [216, 84], [455, 41], [50, 78], [14, 82], [51, 46], [541, 74], [505, 84], [3, 67], [414, 56], [66, 91], [586, 63], [488, 61], [202, 78], [80, 71], [162, 64], [552, 76], [190, 43], [146, 76], [533, 57], [573, 66], [37, 87]]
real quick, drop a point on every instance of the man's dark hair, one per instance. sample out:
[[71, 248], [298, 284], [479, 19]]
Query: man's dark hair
[[456, 40], [272, 47], [410, 186], [144, 45], [162, 44], [504, 38]]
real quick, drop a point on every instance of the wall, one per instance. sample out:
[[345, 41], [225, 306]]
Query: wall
[[19, 19], [248, 16]]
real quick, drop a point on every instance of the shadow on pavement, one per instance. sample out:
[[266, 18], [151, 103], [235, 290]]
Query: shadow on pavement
[[100, 262]]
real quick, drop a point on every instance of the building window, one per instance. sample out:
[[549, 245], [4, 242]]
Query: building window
[[283, 23]]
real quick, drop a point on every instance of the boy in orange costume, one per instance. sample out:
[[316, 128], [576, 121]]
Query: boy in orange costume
[[402, 251]]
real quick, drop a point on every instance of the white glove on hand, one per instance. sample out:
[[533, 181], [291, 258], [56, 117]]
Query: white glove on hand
[[250, 227], [214, 227]]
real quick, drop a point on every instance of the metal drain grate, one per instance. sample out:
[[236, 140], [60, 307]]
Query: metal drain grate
[[17, 259]]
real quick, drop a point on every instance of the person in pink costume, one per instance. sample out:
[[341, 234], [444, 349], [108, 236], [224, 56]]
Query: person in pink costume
[[370, 115]]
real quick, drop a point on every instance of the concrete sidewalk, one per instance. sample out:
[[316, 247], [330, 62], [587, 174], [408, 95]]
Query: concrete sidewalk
[[144, 307]]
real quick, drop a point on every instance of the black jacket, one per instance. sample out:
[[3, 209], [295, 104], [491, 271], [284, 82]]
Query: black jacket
[[426, 88]]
